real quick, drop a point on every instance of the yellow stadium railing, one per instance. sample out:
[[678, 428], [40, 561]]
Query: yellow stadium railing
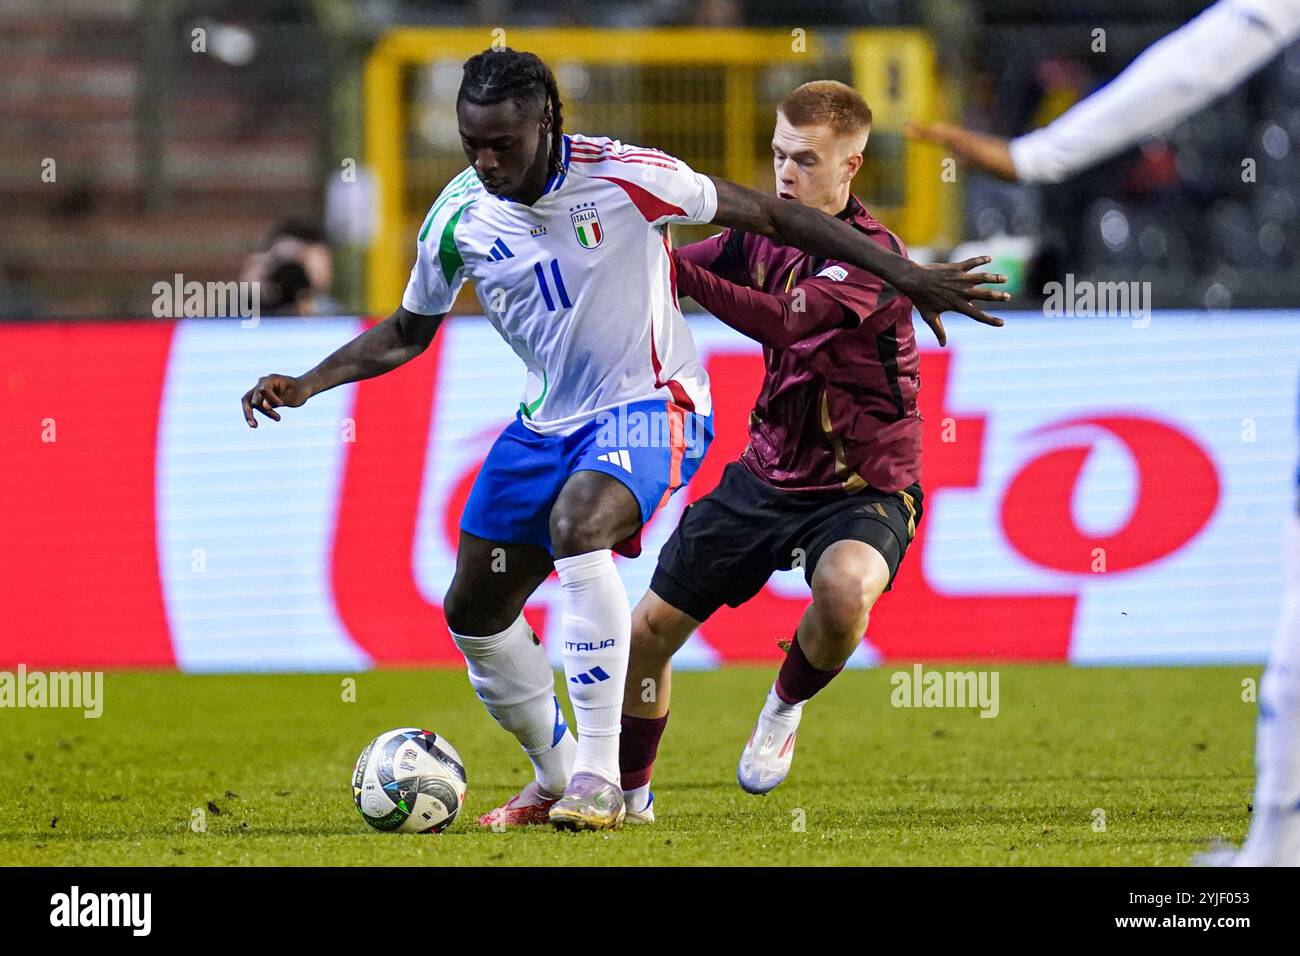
[[707, 96]]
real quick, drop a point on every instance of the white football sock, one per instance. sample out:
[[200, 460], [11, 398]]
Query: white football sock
[[596, 633], [511, 675], [637, 799], [1274, 836], [774, 706]]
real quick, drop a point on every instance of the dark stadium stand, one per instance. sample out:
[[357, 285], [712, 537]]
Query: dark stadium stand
[[235, 154]]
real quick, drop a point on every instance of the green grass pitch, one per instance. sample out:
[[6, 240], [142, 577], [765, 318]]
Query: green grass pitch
[[1165, 754]]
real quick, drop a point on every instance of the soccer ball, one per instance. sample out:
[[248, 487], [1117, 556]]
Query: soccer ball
[[409, 781]]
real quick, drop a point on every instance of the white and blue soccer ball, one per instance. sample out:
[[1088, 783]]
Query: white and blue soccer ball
[[409, 781]]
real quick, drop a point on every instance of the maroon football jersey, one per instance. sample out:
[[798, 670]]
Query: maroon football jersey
[[837, 409]]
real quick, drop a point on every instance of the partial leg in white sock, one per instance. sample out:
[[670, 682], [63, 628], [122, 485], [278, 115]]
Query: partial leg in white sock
[[511, 675], [1274, 837], [596, 633]]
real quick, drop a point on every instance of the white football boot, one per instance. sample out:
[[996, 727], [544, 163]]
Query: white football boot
[[767, 756]]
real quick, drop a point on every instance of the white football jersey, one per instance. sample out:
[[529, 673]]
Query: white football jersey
[[581, 283]]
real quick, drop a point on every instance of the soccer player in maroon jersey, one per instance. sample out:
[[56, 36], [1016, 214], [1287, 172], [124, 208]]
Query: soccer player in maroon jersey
[[830, 478]]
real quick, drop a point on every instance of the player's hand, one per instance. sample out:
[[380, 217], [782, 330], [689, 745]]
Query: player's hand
[[952, 287], [272, 392], [992, 154]]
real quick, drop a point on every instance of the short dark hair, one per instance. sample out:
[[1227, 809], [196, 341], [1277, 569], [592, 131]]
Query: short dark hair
[[496, 75]]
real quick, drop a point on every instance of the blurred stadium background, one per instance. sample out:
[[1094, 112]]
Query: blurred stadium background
[[172, 160], [300, 142]]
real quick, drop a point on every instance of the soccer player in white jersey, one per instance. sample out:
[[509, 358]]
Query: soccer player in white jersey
[[566, 240], [1176, 76]]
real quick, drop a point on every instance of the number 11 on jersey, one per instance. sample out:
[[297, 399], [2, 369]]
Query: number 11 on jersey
[[546, 288]]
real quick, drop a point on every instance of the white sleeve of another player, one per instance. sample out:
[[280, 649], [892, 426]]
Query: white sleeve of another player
[[1169, 81]]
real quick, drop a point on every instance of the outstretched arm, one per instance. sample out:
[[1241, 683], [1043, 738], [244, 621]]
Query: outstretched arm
[[381, 348], [946, 287], [1189, 68]]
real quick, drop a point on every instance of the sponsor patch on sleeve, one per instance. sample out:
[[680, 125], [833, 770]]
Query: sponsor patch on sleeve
[[835, 273]]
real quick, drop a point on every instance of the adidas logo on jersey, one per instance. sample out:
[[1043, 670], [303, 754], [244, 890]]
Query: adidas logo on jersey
[[500, 251], [619, 458]]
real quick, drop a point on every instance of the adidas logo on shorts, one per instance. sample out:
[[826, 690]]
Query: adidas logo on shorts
[[619, 458]]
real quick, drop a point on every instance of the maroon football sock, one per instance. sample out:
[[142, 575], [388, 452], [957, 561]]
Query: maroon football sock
[[798, 680], [637, 746]]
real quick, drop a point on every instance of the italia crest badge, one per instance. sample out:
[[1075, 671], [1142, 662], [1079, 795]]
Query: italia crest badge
[[586, 226]]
